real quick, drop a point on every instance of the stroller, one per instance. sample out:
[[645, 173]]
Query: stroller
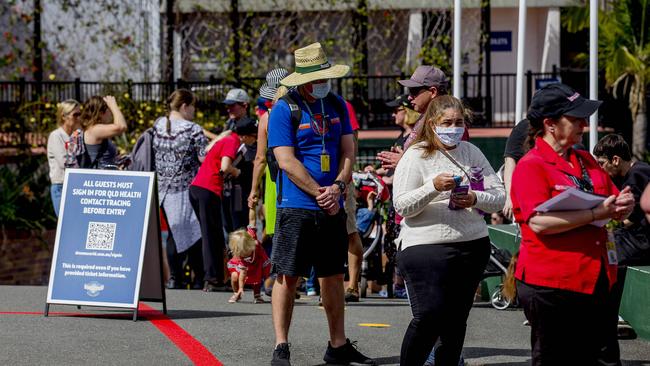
[[369, 226], [498, 266]]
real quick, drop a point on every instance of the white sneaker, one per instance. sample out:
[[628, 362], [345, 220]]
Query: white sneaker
[[311, 292]]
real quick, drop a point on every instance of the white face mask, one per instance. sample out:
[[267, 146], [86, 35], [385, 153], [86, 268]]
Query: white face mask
[[450, 136], [321, 90]]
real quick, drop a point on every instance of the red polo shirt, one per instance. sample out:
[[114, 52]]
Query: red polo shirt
[[570, 260], [208, 176]]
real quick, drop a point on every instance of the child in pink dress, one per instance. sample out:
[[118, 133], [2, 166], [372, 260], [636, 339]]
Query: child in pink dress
[[248, 266]]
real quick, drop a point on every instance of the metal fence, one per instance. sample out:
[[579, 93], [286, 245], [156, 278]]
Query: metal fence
[[367, 94]]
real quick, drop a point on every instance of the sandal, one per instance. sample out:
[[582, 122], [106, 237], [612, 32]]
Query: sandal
[[234, 298]]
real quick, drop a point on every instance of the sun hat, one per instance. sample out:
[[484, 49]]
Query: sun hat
[[270, 86], [560, 100], [236, 96], [312, 64], [426, 76]]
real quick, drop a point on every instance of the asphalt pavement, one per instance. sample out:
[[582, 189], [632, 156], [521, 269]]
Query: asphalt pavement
[[237, 334]]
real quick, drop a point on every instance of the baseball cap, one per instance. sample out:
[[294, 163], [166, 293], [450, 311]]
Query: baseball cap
[[426, 76], [236, 96], [561, 100], [246, 126], [400, 101]]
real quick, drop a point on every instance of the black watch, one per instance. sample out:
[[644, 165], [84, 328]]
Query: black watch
[[341, 185]]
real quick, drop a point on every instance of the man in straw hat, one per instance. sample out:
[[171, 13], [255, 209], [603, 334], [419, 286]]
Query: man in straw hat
[[311, 137]]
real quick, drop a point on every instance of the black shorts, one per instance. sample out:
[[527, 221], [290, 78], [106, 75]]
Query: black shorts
[[305, 238]]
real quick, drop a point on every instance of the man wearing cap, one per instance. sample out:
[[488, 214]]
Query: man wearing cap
[[566, 267], [237, 189], [311, 137], [426, 83], [237, 102]]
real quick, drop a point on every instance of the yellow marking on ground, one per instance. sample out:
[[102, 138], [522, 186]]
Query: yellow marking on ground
[[374, 325]]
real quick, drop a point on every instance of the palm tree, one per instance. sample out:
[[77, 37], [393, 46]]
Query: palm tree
[[624, 53]]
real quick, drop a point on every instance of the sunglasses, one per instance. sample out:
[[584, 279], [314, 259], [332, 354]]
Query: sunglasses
[[414, 92]]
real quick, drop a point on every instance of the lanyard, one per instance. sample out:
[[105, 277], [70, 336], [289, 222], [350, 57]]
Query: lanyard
[[584, 184], [311, 117]]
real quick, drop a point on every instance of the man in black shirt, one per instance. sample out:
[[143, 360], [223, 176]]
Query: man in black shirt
[[632, 239], [515, 150]]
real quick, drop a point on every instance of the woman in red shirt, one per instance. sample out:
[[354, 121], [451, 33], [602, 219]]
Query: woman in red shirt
[[563, 272]]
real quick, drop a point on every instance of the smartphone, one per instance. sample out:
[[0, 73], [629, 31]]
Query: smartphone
[[458, 191]]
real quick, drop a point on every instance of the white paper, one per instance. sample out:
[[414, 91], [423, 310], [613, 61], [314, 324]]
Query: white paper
[[573, 199]]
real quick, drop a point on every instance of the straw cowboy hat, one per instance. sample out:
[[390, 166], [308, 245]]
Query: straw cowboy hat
[[312, 64]]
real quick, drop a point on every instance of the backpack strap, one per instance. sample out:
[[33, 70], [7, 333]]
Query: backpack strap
[[296, 117]]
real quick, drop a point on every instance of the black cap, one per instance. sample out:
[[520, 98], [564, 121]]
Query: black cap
[[560, 100], [246, 126], [400, 101]]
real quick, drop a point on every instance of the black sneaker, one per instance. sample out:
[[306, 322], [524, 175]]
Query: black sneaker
[[351, 295], [281, 355], [347, 354]]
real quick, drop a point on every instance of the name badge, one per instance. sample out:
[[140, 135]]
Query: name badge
[[324, 163]]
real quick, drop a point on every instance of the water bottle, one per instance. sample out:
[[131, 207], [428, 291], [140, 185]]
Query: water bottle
[[476, 181]]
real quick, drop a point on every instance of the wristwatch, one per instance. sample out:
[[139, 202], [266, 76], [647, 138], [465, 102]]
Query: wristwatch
[[341, 185]]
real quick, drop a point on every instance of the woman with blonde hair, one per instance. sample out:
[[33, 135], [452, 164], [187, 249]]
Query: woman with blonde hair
[[179, 148], [273, 91], [58, 149], [444, 244], [101, 120]]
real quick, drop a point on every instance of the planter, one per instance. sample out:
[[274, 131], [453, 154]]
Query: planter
[[25, 257]]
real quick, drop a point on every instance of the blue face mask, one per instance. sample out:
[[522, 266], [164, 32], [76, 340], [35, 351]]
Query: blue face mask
[[450, 136], [320, 91]]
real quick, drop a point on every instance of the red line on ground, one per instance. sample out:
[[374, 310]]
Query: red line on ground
[[189, 345], [194, 349]]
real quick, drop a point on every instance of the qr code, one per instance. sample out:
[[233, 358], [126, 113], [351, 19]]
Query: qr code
[[101, 235]]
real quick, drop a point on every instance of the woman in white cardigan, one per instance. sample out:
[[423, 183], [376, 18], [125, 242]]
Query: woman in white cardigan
[[443, 251]]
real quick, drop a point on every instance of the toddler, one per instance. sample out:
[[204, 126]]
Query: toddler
[[248, 266]]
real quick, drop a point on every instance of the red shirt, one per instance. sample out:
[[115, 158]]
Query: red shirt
[[208, 176], [353, 116], [570, 260], [258, 266]]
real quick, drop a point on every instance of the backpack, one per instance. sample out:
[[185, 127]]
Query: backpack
[[142, 156], [296, 116]]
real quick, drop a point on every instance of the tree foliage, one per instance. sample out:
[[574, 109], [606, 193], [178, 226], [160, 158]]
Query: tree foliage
[[624, 54]]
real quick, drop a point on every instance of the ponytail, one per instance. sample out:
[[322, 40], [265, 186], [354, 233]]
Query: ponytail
[[175, 101]]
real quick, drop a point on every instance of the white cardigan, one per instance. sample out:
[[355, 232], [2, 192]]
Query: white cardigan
[[427, 217]]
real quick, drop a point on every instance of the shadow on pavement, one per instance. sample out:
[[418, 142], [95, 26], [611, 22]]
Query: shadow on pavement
[[202, 314], [392, 360]]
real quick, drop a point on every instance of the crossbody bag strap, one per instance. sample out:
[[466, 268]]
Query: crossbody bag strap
[[455, 163]]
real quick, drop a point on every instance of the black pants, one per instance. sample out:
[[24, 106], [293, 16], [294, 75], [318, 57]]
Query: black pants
[[612, 352], [441, 280], [207, 206], [567, 328], [176, 260], [194, 260]]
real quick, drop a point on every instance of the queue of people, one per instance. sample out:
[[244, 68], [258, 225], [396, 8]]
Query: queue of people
[[297, 163]]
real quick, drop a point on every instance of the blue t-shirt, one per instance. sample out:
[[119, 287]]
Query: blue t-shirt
[[308, 144]]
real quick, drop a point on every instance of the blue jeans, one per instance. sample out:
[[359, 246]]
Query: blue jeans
[[55, 192]]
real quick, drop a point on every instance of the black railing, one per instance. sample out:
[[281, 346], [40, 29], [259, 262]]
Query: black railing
[[367, 94]]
